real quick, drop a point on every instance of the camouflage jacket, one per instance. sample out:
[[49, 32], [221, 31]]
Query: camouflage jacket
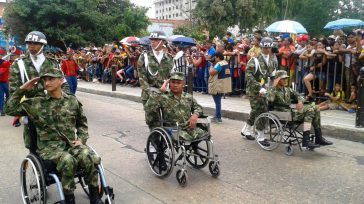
[[174, 109], [16, 81], [55, 119], [161, 72], [257, 77], [281, 98]]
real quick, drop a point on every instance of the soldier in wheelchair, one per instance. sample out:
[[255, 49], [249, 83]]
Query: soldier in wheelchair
[[56, 151], [180, 131], [280, 98]]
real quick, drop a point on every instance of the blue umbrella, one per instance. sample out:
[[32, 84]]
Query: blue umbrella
[[144, 41], [185, 41], [286, 26], [343, 23]]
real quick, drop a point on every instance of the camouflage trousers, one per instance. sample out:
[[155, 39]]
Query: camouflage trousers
[[69, 160], [258, 106], [309, 114], [192, 134], [151, 118]]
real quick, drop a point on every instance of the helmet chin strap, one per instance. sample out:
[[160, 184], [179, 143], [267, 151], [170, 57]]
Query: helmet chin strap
[[158, 45], [40, 51]]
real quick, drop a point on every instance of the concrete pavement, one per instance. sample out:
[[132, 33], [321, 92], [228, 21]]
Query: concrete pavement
[[339, 124], [331, 175]]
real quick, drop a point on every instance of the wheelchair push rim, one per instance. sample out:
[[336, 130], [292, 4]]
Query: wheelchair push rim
[[33, 186], [272, 132], [199, 154], [160, 153]]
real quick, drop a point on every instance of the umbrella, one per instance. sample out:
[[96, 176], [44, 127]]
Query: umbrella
[[286, 26], [344, 22], [172, 37], [144, 40], [130, 40], [185, 41]]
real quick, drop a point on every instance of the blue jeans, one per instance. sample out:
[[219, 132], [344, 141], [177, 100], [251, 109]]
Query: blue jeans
[[4, 90], [72, 82], [201, 79], [217, 100], [129, 72]]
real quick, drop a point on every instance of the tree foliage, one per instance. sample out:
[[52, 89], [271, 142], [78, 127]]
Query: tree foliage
[[79, 22], [218, 15]]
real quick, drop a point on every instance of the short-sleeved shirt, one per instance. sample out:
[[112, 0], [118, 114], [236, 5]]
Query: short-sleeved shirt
[[211, 52]]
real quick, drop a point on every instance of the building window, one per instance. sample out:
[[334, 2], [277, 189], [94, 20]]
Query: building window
[[169, 16], [176, 14], [170, 1], [156, 12], [176, 7]]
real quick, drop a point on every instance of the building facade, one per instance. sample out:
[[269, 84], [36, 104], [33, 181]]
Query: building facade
[[174, 9]]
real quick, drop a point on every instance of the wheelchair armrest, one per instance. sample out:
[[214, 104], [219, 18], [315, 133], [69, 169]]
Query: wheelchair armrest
[[283, 115], [204, 120]]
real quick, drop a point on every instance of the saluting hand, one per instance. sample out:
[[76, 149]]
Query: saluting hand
[[275, 82], [30, 84]]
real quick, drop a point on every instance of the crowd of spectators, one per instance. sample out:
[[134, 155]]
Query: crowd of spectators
[[317, 66]]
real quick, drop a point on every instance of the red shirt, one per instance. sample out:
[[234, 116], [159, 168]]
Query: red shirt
[[4, 71], [69, 67]]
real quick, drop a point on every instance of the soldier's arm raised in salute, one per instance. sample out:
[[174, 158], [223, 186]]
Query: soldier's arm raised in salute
[[14, 106]]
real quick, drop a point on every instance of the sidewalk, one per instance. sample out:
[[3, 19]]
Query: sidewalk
[[335, 123]]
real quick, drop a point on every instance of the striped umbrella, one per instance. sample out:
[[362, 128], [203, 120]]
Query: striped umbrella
[[130, 40]]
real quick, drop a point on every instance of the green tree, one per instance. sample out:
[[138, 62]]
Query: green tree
[[79, 22]]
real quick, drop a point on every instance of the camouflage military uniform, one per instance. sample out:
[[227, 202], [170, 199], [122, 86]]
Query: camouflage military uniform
[[56, 121], [177, 110], [152, 78], [256, 79], [281, 99], [15, 82]]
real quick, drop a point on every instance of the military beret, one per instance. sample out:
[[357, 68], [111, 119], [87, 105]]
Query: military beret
[[281, 74], [54, 72], [177, 76]]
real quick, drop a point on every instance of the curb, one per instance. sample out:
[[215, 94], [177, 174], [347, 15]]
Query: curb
[[333, 131]]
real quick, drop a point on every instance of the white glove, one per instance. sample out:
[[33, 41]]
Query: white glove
[[263, 91]]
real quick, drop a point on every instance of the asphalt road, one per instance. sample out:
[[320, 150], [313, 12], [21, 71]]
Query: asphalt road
[[248, 174]]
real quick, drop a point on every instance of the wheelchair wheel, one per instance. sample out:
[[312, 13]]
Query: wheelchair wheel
[[182, 177], [271, 135], [214, 169], [160, 152], [199, 154], [33, 185]]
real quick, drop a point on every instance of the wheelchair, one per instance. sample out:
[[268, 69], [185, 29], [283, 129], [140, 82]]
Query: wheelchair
[[36, 175], [280, 127], [164, 149]]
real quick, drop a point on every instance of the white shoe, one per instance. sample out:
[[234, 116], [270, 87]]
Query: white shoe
[[260, 135], [247, 130]]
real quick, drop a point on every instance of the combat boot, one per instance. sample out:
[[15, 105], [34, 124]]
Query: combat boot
[[319, 139], [70, 199], [247, 132], [95, 196], [306, 140]]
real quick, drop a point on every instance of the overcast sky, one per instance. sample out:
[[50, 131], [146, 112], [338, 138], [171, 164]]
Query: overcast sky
[[146, 3]]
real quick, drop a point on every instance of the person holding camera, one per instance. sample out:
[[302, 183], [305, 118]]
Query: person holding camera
[[219, 83]]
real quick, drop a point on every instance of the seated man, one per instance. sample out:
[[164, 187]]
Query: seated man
[[56, 116], [177, 106], [281, 96]]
